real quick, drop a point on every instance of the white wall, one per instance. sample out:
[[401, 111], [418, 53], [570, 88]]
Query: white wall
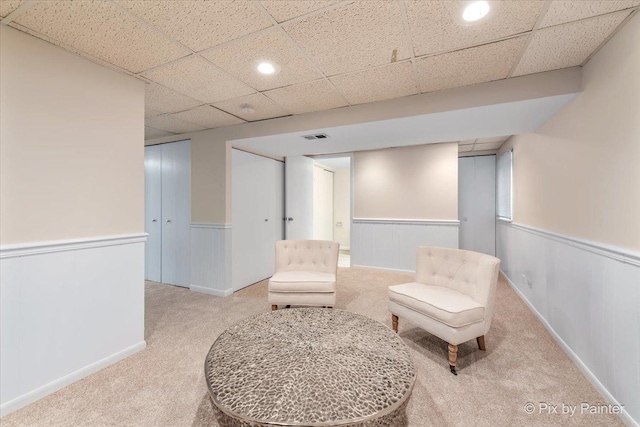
[[71, 135], [342, 207], [418, 182], [576, 233], [71, 218], [404, 198]]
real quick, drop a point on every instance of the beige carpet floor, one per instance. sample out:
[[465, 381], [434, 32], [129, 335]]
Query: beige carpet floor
[[163, 385]]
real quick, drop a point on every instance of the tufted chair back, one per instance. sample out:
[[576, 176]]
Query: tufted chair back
[[307, 255], [471, 273]]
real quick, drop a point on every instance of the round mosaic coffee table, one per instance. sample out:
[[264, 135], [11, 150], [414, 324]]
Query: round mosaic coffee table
[[309, 367]]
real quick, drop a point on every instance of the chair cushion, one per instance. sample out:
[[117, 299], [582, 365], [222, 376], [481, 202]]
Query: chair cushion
[[302, 281], [442, 304]]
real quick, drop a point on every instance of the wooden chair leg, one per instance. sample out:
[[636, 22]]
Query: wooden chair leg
[[453, 355], [394, 323], [480, 340], [274, 307]]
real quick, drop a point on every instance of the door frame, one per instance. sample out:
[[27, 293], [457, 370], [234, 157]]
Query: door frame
[[351, 156]]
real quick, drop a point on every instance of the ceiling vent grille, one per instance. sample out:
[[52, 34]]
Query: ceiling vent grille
[[316, 136]]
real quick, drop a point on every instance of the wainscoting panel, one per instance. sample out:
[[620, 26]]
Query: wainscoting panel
[[67, 309], [210, 252], [392, 243], [588, 296]]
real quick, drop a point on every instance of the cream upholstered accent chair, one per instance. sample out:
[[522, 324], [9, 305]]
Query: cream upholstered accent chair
[[305, 273], [453, 296]]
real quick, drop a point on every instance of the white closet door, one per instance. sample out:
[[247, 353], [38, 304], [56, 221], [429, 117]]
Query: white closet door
[[485, 205], [176, 213], [299, 197], [466, 172], [244, 241], [257, 209], [271, 202], [477, 203], [153, 212]]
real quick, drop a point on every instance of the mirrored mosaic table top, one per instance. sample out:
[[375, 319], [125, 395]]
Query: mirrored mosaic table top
[[311, 367]]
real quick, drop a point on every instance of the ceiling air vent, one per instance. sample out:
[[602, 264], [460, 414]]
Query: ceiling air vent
[[316, 136]]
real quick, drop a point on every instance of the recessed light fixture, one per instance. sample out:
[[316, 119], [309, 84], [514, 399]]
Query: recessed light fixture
[[266, 67], [247, 109], [475, 10]]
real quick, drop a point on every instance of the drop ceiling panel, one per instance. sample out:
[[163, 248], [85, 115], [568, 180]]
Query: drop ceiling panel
[[164, 100], [377, 84], [567, 45], [306, 97], [283, 10], [437, 26], [149, 112], [208, 117], [469, 66], [351, 38], [242, 57], [150, 133], [199, 79], [200, 24], [264, 108], [561, 12], [488, 146], [500, 139], [8, 6], [169, 123], [103, 30]]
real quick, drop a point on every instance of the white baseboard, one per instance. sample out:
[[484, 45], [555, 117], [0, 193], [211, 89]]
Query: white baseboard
[[574, 357], [395, 270], [32, 396], [209, 291]]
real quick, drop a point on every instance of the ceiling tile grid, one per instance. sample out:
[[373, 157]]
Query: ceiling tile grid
[[208, 116], [377, 84], [306, 97], [150, 133], [469, 66], [199, 79], [447, 31], [482, 144], [567, 45], [285, 10], [563, 11], [149, 112], [200, 24], [170, 123], [330, 53], [242, 57], [263, 107], [354, 37], [164, 100], [103, 30]]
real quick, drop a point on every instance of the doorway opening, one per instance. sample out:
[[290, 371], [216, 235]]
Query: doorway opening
[[332, 203]]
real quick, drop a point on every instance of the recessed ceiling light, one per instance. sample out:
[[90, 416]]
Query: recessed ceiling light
[[247, 109], [266, 67], [475, 10]]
